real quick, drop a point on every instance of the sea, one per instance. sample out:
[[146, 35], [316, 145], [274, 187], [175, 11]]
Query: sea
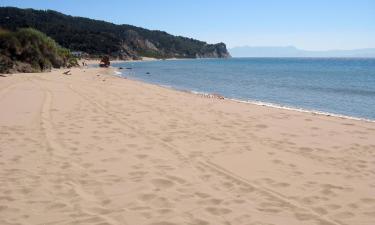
[[334, 86]]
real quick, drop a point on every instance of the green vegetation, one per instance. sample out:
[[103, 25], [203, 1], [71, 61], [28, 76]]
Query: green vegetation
[[99, 38], [28, 50]]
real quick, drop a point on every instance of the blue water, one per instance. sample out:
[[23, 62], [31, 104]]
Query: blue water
[[332, 85]]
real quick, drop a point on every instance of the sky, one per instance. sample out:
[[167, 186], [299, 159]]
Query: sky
[[306, 24]]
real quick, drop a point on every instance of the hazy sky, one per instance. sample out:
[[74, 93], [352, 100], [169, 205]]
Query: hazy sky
[[307, 24]]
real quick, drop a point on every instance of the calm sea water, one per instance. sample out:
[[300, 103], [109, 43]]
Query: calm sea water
[[332, 85]]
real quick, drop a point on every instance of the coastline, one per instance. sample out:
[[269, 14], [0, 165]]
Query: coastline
[[253, 102], [120, 151]]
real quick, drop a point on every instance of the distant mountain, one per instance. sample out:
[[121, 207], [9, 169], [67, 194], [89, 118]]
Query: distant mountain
[[291, 51], [99, 37]]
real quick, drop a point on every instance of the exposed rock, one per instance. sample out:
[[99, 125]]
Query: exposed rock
[[150, 45], [104, 62], [214, 51]]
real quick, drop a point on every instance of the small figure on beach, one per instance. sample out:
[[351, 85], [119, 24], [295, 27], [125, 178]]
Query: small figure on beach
[[104, 62]]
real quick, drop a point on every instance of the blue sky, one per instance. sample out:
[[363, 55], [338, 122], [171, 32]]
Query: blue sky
[[306, 24]]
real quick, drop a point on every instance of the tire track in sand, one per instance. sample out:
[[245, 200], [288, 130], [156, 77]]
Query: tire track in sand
[[8, 88], [303, 211], [55, 148]]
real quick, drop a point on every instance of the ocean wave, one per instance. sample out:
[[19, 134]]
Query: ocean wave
[[117, 73]]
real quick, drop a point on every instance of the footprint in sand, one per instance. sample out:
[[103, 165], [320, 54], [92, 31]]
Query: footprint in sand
[[218, 211], [177, 179], [261, 126], [368, 200], [57, 206], [141, 156], [164, 211], [162, 183], [213, 201], [161, 202], [146, 197], [163, 223], [320, 210], [303, 216], [202, 195]]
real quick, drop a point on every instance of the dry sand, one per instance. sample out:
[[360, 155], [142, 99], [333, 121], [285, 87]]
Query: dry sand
[[102, 150]]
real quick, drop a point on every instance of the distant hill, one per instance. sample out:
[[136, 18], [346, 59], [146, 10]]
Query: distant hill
[[291, 51], [99, 37]]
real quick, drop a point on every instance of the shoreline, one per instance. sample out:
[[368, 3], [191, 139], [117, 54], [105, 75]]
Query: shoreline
[[313, 112], [252, 102]]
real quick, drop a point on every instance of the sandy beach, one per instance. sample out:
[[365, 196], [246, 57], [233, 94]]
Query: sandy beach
[[92, 148]]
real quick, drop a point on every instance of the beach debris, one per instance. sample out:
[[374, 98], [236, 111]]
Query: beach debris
[[217, 96], [212, 95], [120, 68], [67, 72], [2, 75], [129, 68], [104, 62], [148, 73]]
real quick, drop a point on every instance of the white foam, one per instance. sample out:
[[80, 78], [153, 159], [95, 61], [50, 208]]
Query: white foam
[[267, 104], [117, 73]]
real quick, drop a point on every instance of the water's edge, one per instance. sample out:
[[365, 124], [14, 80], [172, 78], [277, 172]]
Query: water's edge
[[117, 73]]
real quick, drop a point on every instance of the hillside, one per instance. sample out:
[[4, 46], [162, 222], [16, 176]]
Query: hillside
[[99, 37]]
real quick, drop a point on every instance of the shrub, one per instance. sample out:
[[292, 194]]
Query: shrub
[[29, 46]]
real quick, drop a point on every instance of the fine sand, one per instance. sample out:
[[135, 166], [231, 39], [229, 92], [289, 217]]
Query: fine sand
[[90, 148]]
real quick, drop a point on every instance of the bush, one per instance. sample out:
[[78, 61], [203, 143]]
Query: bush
[[32, 47]]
